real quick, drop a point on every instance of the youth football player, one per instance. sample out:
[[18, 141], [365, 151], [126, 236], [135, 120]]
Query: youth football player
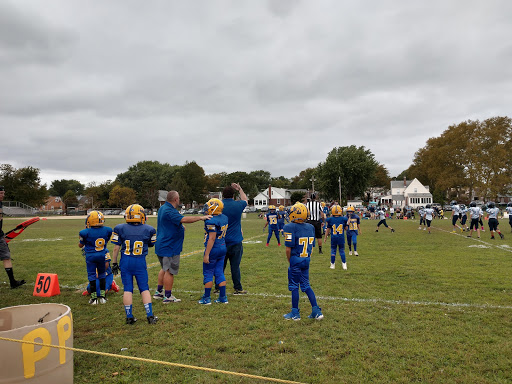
[[215, 251], [509, 211], [428, 216], [455, 216], [381, 213], [421, 212], [476, 214], [463, 217], [281, 219], [133, 239], [325, 210], [272, 217], [336, 226], [299, 242], [353, 231], [94, 239], [492, 215], [110, 284]]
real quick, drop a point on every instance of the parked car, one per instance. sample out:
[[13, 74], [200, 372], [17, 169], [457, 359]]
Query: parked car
[[249, 209], [447, 207]]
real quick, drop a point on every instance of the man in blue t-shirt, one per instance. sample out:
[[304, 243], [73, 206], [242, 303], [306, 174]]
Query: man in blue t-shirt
[[234, 250], [169, 244]]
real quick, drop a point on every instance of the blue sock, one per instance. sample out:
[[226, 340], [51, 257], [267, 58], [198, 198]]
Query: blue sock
[[207, 292], [295, 299], [149, 309], [168, 293], [128, 310], [311, 297], [222, 291], [159, 288]]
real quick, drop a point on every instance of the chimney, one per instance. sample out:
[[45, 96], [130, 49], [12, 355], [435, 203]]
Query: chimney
[[405, 182], [269, 194]]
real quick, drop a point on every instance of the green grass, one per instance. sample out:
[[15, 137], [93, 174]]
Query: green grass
[[411, 307]]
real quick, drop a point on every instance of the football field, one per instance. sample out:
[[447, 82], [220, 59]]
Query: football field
[[412, 307]]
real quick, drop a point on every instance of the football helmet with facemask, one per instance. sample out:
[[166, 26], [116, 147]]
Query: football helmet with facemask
[[213, 207], [298, 213], [135, 214], [350, 209], [94, 219]]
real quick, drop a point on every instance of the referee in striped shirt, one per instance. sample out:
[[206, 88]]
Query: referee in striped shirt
[[316, 217]]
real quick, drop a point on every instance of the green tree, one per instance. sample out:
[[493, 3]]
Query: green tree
[[193, 176], [303, 179], [180, 185], [23, 185], [69, 199], [99, 194], [355, 167], [60, 187], [122, 197], [381, 178], [297, 196]]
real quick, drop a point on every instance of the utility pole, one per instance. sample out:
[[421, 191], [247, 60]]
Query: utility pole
[[313, 182], [339, 182]]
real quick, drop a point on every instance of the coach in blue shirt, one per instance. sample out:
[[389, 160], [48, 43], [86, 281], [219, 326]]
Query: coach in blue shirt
[[169, 244], [233, 210]]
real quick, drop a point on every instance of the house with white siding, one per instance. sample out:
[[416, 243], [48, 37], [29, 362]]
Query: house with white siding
[[409, 193]]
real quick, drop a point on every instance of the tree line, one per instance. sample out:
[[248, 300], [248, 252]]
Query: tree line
[[472, 158]]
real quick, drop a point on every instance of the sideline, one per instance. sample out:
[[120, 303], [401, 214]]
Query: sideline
[[153, 361]]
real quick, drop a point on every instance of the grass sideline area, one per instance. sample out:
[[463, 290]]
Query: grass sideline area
[[412, 307]]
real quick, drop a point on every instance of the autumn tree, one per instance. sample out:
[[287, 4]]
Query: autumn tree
[[122, 197]]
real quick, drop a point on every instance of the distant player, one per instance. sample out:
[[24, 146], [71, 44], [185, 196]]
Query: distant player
[[281, 219], [428, 216], [215, 251], [299, 242], [421, 212], [475, 214], [326, 211], [94, 239], [463, 217], [272, 217], [133, 240], [509, 211], [353, 231], [455, 216], [381, 214], [110, 284], [492, 215], [336, 226]]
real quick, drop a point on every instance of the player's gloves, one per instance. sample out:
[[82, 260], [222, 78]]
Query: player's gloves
[[115, 269]]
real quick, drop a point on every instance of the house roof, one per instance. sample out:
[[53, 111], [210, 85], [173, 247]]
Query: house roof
[[400, 183]]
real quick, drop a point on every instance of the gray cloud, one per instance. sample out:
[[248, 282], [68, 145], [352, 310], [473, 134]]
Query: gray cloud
[[242, 86]]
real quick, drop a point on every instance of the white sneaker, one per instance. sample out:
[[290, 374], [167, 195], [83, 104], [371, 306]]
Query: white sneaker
[[332, 266], [424, 229], [344, 266], [355, 253], [350, 253], [419, 228], [171, 299]]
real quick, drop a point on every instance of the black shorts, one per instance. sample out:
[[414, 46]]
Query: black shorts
[[474, 224], [493, 224], [382, 222], [455, 218], [428, 222], [318, 227]]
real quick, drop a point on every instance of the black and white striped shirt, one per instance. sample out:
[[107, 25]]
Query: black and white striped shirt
[[315, 210]]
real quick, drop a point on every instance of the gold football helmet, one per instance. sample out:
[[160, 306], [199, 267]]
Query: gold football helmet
[[350, 209], [298, 213], [94, 219], [213, 207], [336, 210], [135, 214], [271, 207]]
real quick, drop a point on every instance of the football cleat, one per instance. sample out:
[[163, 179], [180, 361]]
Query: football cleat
[[501, 235], [213, 207], [298, 213], [94, 219], [293, 315], [333, 266], [158, 295], [102, 300], [344, 266], [17, 283], [171, 299], [152, 319], [222, 300], [93, 301], [205, 300], [131, 320], [316, 313], [355, 253], [240, 292], [135, 214], [350, 253]]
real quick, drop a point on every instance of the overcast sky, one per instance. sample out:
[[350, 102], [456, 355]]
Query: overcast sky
[[89, 88]]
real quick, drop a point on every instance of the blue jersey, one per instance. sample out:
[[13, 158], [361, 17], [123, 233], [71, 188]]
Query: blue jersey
[[272, 218], [353, 222], [281, 218], [337, 225], [233, 210], [301, 239], [326, 211], [95, 240], [171, 232], [219, 225], [134, 238]]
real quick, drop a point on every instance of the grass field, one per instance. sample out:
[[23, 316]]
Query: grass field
[[412, 307]]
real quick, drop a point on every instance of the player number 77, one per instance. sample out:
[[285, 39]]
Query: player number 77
[[305, 241]]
